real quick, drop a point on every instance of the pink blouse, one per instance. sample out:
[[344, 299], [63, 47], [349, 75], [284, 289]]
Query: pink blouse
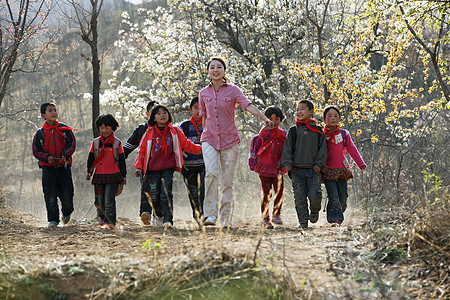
[[220, 129]]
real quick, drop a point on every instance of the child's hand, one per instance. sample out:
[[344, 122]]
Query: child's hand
[[138, 173], [279, 165], [124, 181], [288, 168], [316, 169], [88, 176], [50, 159], [363, 167]]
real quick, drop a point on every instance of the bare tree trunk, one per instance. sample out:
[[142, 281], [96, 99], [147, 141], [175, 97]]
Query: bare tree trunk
[[89, 34], [372, 165], [319, 25], [95, 70]]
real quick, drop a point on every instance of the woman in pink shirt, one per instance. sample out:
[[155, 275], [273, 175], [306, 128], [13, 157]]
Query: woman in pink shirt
[[337, 170], [220, 139]]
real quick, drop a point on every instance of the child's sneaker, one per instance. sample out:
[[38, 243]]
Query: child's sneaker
[[167, 225], [145, 218], [336, 223], [101, 221], [267, 224], [52, 224], [314, 217], [277, 219], [65, 219], [209, 221], [108, 226], [158, 221], [303, 224]]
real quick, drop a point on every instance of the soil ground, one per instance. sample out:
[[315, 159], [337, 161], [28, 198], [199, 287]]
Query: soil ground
[[81, 260]]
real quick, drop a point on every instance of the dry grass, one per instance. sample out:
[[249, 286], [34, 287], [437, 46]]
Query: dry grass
[[407, 250], [429, 247], [209, 275]]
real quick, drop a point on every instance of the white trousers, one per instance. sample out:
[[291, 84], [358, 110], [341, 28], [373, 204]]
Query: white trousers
[[227, 159]]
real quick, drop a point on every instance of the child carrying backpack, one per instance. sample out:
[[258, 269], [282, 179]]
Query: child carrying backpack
[[265, 159], [106, 157]]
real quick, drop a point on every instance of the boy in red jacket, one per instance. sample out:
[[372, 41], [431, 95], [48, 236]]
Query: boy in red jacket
[[53, 146]]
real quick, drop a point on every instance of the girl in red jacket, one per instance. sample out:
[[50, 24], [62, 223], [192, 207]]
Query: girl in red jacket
[[265, 157], [158, 157], [106, 157]]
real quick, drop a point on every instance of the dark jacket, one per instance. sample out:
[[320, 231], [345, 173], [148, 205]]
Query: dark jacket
[[189, 159], [48, 142], [304, 148], [134, 140]]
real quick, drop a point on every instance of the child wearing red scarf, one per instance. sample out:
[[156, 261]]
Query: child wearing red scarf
[[107, 162], [53, 146], [304, 155], [131, 144], [193, 170], [160, 154], [265, 159], [337, 170]]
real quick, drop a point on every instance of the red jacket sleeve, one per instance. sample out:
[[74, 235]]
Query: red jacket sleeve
[[186, 144], [139, 163]]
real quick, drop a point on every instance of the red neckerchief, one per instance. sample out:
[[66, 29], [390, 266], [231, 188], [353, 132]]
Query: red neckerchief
[[56, 127], [331, 134], [163, 135], [309, 126], [101, 151], [196, 125], [276, 134]]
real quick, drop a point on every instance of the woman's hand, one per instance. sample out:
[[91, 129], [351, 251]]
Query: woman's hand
[[269, 124], [257, 113]]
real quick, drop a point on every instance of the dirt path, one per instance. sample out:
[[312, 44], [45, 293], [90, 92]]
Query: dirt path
[[81, 259]]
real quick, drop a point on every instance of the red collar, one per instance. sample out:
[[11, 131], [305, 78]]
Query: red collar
[[309, 126], [331, 134], [196, 125]]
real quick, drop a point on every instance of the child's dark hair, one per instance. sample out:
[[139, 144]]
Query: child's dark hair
[[152, 121], [274, 110], [151, 104], [308, 103], [193, 101], [107, 120], [45, 105], [328, 108]]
